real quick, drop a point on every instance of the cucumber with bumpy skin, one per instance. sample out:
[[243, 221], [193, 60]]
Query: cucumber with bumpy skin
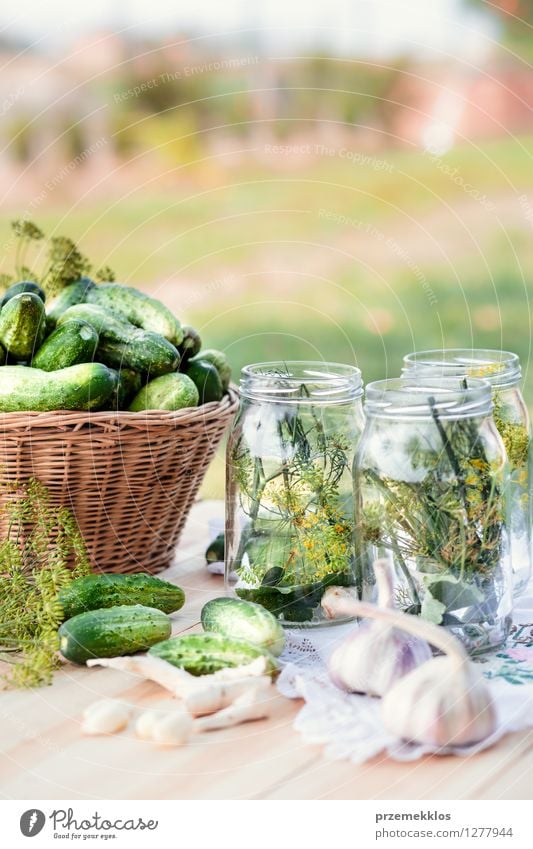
[[139, 309], [87, 386], [22, 325], [203, 654], [74, 293], [72, 343], [129, 383], [124, 346], [112, 632], [243, 620], [206, 379], [95, 592], [219, 360], [215, 551], [169, 392], [20, 288]]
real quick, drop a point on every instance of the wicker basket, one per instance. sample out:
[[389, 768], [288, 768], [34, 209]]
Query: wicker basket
[[129, 478]]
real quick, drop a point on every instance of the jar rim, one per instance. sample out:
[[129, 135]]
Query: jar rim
[[283, 381], [500, 368], [445, 397]]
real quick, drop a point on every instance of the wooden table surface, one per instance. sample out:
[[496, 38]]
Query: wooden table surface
[[44, 755]]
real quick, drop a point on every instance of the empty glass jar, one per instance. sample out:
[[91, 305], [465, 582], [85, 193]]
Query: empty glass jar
[[502, 370], [289, 508], [430, 487]]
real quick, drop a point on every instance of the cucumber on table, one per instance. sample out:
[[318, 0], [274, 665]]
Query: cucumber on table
[[72, 343], [122, 345], [20, 288], [22, 325], [87, 386], [215, 551], [173, 391], [203, 654], [243, 620], [112, 632], [94, 592], [74, 293], [139, 309]]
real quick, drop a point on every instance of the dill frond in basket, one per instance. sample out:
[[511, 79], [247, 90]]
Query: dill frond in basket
[[33, 568]]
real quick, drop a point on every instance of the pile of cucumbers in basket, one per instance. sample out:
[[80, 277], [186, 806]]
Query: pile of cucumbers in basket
[[101, 346]]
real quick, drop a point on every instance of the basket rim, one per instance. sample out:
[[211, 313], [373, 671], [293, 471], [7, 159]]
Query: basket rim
[[227, 406]]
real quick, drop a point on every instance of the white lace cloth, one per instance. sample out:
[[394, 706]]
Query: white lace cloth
[[350, 726]]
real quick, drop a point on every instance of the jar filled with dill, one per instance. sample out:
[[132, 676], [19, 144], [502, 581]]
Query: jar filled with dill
[[502, 370], [431, 481], [289, 489]]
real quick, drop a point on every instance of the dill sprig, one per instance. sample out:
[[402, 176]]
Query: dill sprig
[[34, 567], [64, 263]]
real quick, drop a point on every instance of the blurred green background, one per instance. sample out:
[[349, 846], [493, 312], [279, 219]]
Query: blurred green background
[[329, 206]]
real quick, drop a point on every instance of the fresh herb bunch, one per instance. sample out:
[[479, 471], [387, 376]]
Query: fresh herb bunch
[[446, 526], [34, 556], [299, 537], [514, 434], [63, 264]]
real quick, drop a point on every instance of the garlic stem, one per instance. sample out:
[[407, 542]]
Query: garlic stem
[[382, 571], [433, 634]]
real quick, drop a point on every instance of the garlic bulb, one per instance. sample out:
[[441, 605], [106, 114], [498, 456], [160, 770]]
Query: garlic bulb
[[443, 702], [376, 654]]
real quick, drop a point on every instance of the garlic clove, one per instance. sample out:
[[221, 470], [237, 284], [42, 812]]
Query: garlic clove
[[442, 703], [106, 716], [174, 729]]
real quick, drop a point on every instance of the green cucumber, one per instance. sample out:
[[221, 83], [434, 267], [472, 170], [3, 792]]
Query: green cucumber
[[20, 288], [219, 360], [112, 632], [129, 383], [74, 293], [203, 654], [124, 346], [72, 343], [191, 344], [243, 620], [95, 592], [215, 550], [139, 309], [207, 380], [22, 325], [87, 386], [170, 392]]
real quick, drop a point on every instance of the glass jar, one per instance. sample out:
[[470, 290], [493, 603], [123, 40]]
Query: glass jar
[[430, 486], [289, 489], [502, 370]]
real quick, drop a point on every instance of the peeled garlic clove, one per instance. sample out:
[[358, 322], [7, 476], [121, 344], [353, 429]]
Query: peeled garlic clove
[[144, 726], [105, 717], [374, 657], [442, 703], [173, 729]]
